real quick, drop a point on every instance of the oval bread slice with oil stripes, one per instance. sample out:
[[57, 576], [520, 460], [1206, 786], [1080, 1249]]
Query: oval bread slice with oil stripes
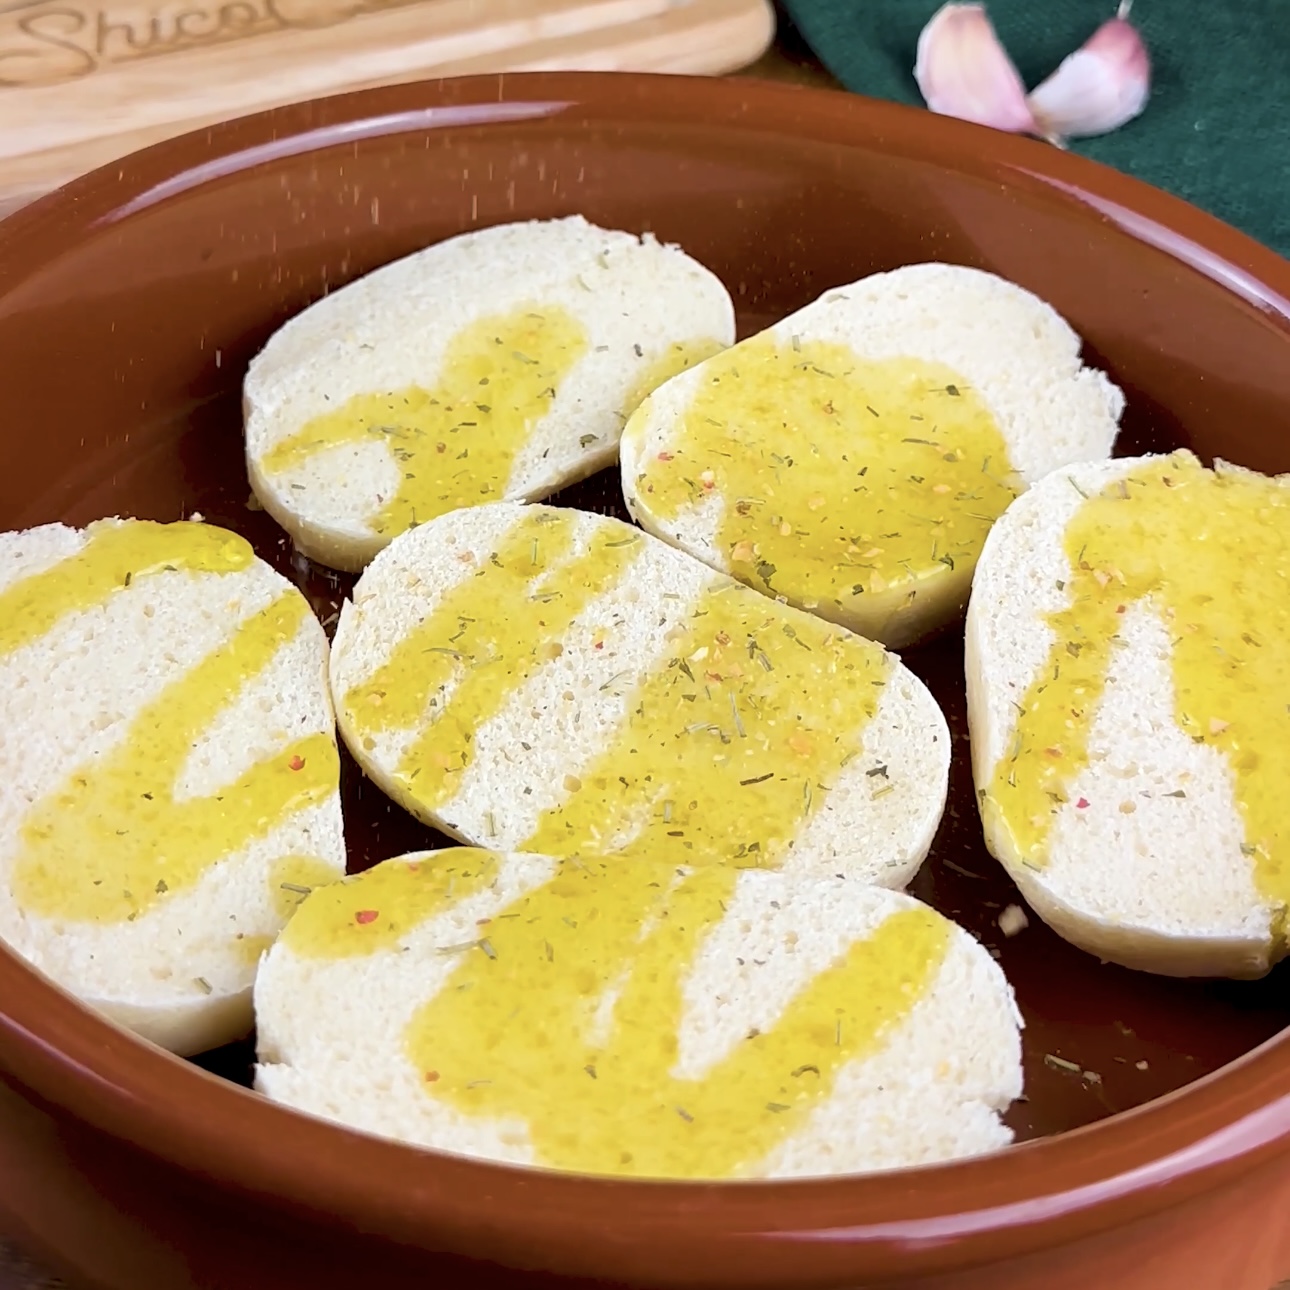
[[647, 1020], [497, 364], [546, 679], [852, 458], [168, 752], [1128, 674]]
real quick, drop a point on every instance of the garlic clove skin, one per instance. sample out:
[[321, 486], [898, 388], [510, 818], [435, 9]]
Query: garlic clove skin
[[963, 71], [1102, 85]]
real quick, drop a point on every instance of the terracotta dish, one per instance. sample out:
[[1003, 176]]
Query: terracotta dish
[[1156, 1146]]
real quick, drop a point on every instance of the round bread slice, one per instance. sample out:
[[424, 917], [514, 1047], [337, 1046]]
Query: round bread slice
[[648, 1020], [544, 679], [852, 458], [167, 747], [1128, 677], [498, 364]]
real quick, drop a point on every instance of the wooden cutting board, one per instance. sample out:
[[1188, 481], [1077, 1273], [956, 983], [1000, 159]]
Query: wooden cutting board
[[83, 82]]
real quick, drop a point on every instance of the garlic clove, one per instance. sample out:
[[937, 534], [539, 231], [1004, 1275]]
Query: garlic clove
[[962, 70], [1099, 87]]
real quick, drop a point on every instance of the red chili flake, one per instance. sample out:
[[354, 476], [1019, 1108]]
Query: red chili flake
[[431, 1076], [665, 456], [599, 645], [1119, 609], [297, 762], [365, 916], [1082, 803]]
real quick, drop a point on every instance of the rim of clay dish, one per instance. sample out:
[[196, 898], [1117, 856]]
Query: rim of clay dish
[[804, 1232]]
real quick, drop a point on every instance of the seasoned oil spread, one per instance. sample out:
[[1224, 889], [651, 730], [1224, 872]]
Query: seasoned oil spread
[[513, 1032], [112, 840], [675, 359], [456, 442], [1210, 553], [840, 478], [726, 749]]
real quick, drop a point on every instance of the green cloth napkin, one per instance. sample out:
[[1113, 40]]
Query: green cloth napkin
[[1214, 131]]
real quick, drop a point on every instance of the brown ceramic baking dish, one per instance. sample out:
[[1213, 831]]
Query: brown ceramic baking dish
[[1156, 1138]]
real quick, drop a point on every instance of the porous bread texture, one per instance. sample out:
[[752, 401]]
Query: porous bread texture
[[331, 1032], [388, 330], [69, 696], [523, 755], [1014, 350], [1166, 888]]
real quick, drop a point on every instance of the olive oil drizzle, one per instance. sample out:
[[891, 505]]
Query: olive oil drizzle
[[1210, 554], [456, 442], [725, 751], [112, 840], [728, 751], [510, 1034], [841, 478], [484, 639], [113, 556]]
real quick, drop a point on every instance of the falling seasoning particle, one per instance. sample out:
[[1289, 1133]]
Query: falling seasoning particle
[[1060, 1063], [1013, 920]]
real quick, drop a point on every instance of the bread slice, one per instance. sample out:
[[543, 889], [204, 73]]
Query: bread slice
[[551, 680], [1128, 674], [498, 364], [168, 754], [648, 1020], [851, 458]]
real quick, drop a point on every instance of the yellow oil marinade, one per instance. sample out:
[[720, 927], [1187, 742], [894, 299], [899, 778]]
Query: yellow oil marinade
[[730, 747], [112, 840], [486, 636], [292, 878], [841, 477], [1210, 553], [113, 556], [726, 749], [375, 910], [513, 1032], [456, 442], [675, 359]]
